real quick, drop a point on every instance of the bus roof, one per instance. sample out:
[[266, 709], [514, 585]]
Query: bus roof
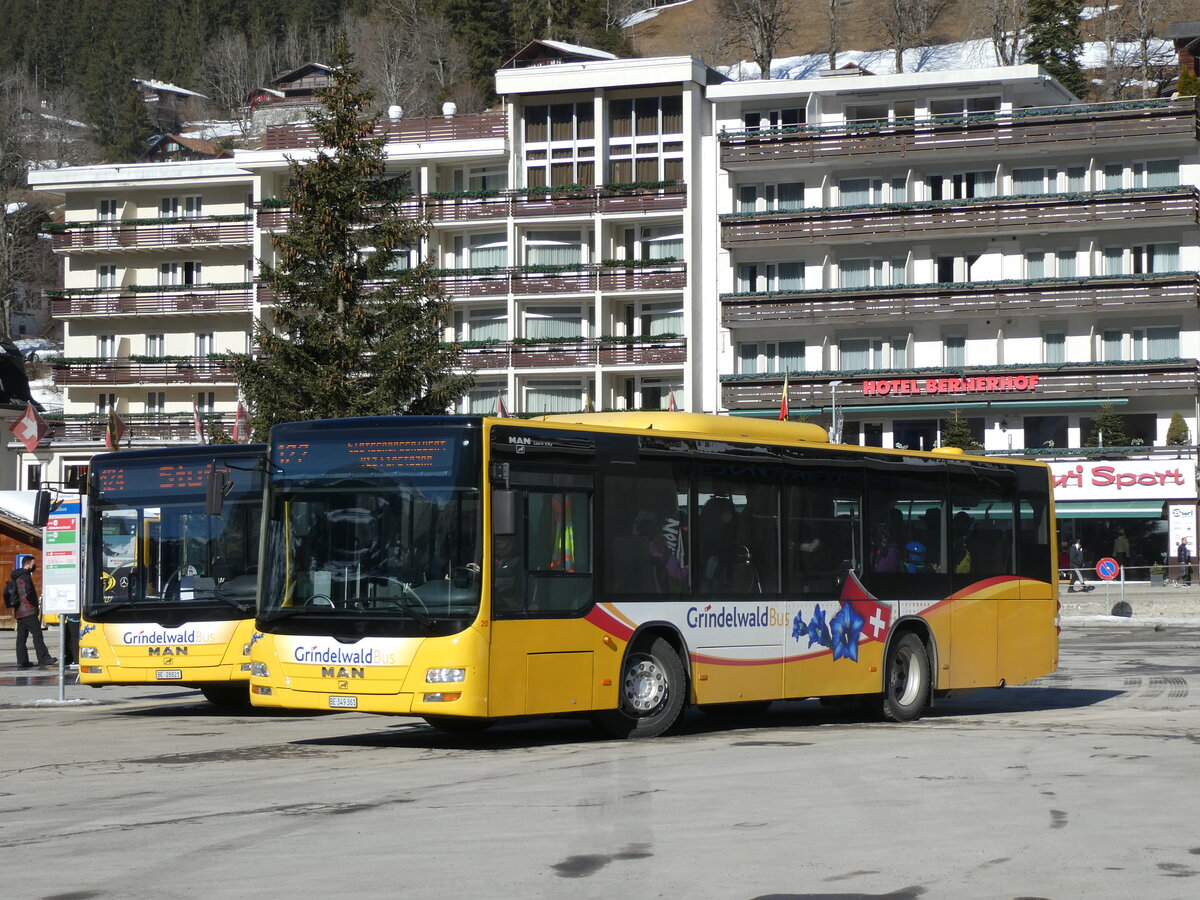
[[700, 425]]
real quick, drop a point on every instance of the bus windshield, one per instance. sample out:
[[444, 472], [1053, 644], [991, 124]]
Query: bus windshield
[[373, 537], [155, 549]]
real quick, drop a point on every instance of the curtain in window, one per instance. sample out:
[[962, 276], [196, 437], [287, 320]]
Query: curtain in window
[[1164, 257], [1114, 261], [1076, 179], [488, 324], [662, 318], [1028, 181], [1055, 348], [554, 248], [1065, 260], [900, 352], [747, 278], [1162, 343], [791, 196], [747, 198], [900, 190], [791, 276], [854, 191], [1035, 265], [854, 354], [791, 356], [1114, 177], [1162, 173], [553, 398], [855, 273], [956, 351], [481, 399], [1112, 345], [748, 359], [542, 322], [898, 273], [664, 242], [984, 184]]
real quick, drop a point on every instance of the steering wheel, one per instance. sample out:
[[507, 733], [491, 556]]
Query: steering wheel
[[319, 600]]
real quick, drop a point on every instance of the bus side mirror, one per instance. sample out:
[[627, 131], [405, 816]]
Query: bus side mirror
[[504, 512], [214, 495], [41, 509]]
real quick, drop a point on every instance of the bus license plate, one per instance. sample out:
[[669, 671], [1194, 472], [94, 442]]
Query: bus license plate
[[168, 674], [343, 703]]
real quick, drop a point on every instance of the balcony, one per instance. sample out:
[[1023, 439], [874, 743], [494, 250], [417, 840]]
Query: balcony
[[1061, 129], [1147, 207], [1097, 294], [133, 370], [1101, 380], [456, 128], [139, 428], [478, 206], [646, 276], [658, 351], [150, 300], [152, 234]]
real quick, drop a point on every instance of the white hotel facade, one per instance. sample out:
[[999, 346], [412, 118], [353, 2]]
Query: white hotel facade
[[902, 247]]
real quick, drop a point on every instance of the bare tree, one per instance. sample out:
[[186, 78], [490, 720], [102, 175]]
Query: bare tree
[[1144, 19], [230, 71], [906, 22], [759, 25], [1005, 21], [833, 13]]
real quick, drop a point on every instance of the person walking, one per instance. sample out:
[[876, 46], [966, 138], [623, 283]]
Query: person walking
[[1183, 553], [29, 616], [1120, 550], [1075, 555]]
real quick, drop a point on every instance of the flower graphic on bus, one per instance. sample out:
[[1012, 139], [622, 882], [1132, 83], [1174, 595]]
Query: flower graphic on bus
[[847, 625], [816, 629]]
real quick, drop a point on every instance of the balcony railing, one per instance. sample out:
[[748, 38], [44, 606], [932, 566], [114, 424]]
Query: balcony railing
[[135, 300], [581, 280], [947, 218], [456, 128], [522, 204], [1055, 382], [646, 352], [199, 370], [151, 233], [1059, 127], [138, 427], [1095, 294]]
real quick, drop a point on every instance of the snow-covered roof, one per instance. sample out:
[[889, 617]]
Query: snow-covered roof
[[581, 51], [169, 88]]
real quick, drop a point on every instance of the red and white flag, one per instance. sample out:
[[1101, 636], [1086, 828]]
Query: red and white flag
[[783, 401], [114, 431], [198, 425], [671, 407], [30, 428], [241, 425], [501, 412]]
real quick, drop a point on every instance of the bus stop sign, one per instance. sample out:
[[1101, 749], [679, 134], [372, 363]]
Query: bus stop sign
[[1108, 568]]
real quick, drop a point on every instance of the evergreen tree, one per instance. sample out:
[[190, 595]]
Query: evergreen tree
[[956, 432], [1177, 430], [352, 335], [1055, 43], [1109, 427]]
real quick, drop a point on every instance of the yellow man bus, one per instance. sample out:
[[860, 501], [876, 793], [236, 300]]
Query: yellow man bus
[[625, 565], [171, 568]]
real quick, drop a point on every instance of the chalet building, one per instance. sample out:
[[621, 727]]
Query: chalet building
[[178, 147], [896, 250], [288, 97], [169, 105]]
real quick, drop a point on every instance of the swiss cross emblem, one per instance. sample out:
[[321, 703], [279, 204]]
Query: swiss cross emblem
[[29, 429]]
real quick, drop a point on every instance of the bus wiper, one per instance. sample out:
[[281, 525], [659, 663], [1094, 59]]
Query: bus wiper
[[106, 608], [229, 601], [288, 612], [409, 602]]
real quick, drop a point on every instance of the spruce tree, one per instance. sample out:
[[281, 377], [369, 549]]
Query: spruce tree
[[1109, 426], [956, 432], [1177, 430], [351, 334], [1055, 43]]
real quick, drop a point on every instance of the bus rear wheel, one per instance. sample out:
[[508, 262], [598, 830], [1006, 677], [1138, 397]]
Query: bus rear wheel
[[905, 680], [651, 693], [232, 696]]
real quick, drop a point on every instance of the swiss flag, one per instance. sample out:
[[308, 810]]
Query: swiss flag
[[501, 412], [671, 407], [30, 428], [241, 425]]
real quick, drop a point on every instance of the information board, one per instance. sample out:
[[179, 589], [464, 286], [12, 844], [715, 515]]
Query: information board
[[62, 562]]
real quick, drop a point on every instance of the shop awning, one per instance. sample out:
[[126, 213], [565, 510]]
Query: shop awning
[[1110, 509]]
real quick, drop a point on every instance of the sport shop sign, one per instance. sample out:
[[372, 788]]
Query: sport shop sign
[[978, 384], [1141, 479]]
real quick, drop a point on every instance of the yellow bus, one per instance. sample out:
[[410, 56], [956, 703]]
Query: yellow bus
[[171, 568], [626, 565]]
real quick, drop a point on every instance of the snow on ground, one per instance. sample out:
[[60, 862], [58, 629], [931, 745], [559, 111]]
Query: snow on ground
[[212, 130], [646, 14]]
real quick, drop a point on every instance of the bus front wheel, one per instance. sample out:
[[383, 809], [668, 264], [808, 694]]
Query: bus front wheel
[[651, 693], [905, 680]]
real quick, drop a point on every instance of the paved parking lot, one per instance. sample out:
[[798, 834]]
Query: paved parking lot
[[1081, 785]]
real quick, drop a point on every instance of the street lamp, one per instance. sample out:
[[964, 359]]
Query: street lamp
[[835, 429]]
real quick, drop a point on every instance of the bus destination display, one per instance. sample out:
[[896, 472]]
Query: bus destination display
[[418, 456]]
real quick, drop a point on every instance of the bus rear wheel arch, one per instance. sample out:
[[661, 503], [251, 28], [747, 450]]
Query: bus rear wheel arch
[[652, 692], [906, 679]]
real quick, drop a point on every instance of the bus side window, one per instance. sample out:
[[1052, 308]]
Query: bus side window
[[821, 536], [545, 568], [646, 531]]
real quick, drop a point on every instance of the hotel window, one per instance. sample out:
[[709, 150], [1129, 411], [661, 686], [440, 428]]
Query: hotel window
[[480, 178], [1141, 259], [865, 273], [204, 344], [1046, 264], [74, 475], [546, 322], [1155, 173], [155, 344], [760, 357], [954, 348], [106, 403], [1035, 181], [660, 317], [481, 251], [770, 277], [646, 139], [870, 191], [168, 207], [106, 346], [106, 276], [557, 248], [867, 354], [653, 242], [156, 402], [33, 476], [756, 120], [787, 196], [484, 399], [962, 186], [107, 210], [560, 145], [176, 273], [964, 106], [1054, 348], [193, 207], [206, 401], [488, 323], [1161, 342], [652, 392], [554, 396]]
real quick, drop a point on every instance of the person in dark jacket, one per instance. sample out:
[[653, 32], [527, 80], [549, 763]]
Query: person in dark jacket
[[1076, 557], [29, 617]]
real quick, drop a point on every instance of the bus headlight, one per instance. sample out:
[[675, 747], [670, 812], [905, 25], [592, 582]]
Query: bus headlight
[[89, 653], [259, 670], [445, 676]]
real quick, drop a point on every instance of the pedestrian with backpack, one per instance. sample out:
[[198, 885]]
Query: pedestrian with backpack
[[24, 602]]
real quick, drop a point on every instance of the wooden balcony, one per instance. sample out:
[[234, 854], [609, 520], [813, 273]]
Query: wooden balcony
[[456, 128], [585, 279], [1099, 294], [648, 352], [147, 236], [126, 371], [522, 205], [1144, 378], [176, 427], [1061, 129], [952, 218], [126, 302]]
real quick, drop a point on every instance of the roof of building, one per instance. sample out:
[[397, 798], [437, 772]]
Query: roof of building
[[543, 52], [167, 88], [301, 71], [198, 146]]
